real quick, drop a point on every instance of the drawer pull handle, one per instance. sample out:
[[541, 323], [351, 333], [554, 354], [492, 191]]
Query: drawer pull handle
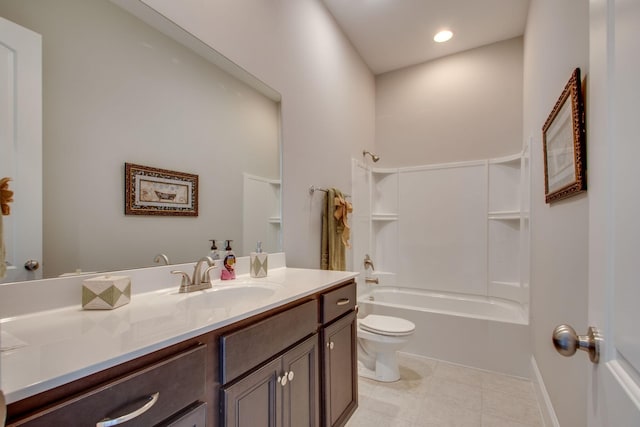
[[150, 401], [343, 301]]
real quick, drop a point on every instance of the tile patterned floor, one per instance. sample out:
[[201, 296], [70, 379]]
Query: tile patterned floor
[[433, 393]]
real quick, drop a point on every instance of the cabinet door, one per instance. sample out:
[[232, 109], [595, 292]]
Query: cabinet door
[[340, 371], [301, 392], [253, 401]]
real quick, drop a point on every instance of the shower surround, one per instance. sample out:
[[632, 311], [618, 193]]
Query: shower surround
[[456, 230]]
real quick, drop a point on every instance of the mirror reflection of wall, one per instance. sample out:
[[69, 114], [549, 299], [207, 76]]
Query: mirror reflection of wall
[[116, 90]]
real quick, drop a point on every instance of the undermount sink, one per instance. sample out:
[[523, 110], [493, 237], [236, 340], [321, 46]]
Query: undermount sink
[[237, 292]]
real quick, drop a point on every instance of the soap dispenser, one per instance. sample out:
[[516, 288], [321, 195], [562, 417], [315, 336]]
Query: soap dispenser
[[228, 273], [214, 255], [258, 262]]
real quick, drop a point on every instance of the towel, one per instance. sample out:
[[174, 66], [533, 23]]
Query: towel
[[3, 254], [6, 196], [335, 230]]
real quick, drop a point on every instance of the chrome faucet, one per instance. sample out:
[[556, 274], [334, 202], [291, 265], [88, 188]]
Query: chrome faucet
[[161, 257], [200, 280], [368, 263]]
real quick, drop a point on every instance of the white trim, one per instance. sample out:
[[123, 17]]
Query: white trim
[[472, 163], [546, 407]]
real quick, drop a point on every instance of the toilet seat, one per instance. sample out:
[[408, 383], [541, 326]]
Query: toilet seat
[[386, 325]]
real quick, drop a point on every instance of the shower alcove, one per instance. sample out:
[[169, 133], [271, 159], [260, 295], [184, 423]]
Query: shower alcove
[[456, 231]]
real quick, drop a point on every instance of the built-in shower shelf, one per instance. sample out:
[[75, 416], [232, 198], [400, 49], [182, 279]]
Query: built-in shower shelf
[[384, 217], [502, 283], [505, 215]]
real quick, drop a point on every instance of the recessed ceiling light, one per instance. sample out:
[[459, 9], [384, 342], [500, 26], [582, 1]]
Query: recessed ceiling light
[[443, 36]]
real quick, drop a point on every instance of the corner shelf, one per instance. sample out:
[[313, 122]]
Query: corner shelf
[[384, 217], [507, 226], [505, 215], [275, 220]]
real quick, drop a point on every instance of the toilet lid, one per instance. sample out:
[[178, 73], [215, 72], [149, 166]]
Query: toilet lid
[[386, 325]]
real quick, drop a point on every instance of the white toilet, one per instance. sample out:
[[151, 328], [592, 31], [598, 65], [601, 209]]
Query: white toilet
[[379, 339]]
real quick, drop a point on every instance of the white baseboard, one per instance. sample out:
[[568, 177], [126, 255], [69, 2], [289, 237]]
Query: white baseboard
[[548, 413]]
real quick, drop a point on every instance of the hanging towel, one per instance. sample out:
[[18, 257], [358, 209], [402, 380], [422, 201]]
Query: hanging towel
[[335, 230], [6, 196]]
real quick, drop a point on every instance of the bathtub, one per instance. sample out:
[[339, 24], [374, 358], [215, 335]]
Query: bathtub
[[481, 332]]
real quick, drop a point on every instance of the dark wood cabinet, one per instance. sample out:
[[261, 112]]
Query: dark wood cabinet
[[339, 355], [301, 397], [253, 400], [281, 393], [292, 366], [340, 371]]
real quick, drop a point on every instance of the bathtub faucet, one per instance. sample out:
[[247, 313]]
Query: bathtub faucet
[[368, 263], [371, 280]]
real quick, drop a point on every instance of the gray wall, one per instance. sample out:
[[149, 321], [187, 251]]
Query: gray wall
[[556, 42], [465, 106], [328, 101]]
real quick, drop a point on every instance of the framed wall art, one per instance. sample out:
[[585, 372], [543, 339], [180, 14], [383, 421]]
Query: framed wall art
[[153, 191], [564, 144]]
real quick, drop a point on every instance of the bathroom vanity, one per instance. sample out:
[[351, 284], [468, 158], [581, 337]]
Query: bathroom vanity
[[286, 359]]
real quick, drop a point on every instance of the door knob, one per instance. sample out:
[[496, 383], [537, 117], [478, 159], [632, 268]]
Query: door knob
[[31, 265], [567, 342]]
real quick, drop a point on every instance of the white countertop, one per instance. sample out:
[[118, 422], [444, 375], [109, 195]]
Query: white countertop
[[68, 343]]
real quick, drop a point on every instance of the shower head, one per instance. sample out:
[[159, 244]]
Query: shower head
[[373, 156]]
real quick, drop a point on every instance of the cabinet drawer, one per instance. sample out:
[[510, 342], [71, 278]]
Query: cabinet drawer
[[248, 347], [178, 381], [338, 302], [193, 417]]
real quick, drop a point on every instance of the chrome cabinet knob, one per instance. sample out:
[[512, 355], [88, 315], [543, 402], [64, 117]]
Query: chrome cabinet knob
[[290, 376], [283, 379], [567, 342]]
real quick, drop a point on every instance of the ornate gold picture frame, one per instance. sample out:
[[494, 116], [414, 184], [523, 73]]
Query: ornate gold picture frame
[[153, 191], [564, 144]]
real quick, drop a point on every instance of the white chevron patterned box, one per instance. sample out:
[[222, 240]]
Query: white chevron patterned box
[[106, 292]]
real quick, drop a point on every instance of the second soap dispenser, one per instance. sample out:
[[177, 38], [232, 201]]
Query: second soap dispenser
[[214, 255], [228, 272], [258, 262]]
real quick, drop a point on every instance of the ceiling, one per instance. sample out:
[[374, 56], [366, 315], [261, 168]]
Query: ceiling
[[392, 34]]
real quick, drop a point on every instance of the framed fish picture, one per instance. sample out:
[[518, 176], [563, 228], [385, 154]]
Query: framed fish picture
[[153, 191]]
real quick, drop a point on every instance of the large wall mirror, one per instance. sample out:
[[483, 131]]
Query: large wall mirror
[[116, 90]]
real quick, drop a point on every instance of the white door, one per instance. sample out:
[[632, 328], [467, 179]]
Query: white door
[[21, 146], [21, 151], [613, 114]]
